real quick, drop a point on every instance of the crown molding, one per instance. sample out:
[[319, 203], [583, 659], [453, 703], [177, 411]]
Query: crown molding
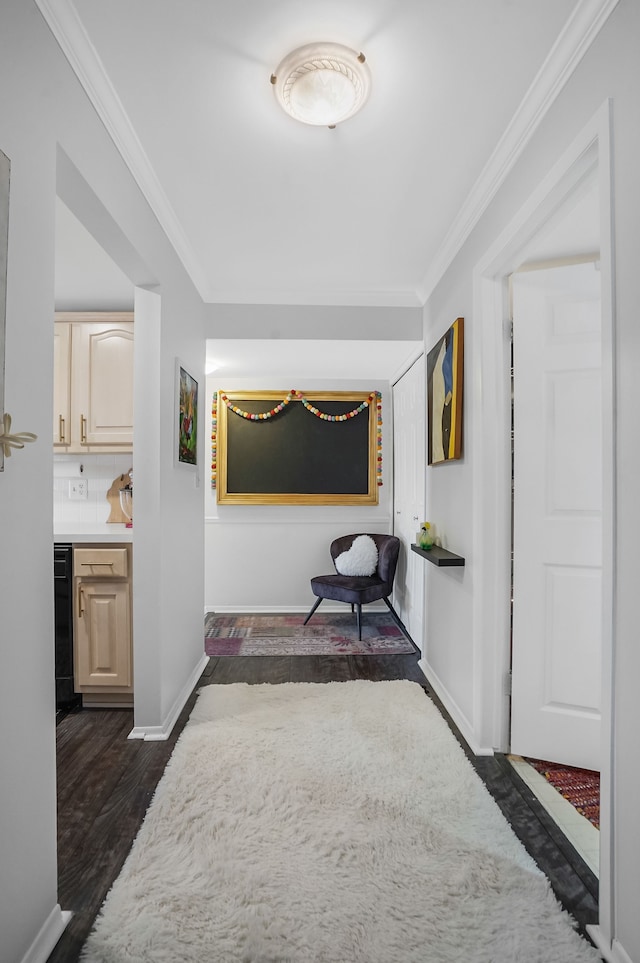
[[66, 26], [581, 29]]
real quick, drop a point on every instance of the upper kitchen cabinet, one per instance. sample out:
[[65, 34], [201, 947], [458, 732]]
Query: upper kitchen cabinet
[[93, 382]]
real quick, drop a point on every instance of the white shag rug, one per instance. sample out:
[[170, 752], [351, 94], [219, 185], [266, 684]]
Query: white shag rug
[[336, 823]]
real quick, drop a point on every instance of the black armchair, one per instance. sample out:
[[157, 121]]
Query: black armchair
[[357, 590]]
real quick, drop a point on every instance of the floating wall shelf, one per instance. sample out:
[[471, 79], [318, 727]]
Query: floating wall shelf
[[438, 556]]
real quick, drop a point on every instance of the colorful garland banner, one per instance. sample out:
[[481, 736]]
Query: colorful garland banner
[[295, 395], [214, 439]]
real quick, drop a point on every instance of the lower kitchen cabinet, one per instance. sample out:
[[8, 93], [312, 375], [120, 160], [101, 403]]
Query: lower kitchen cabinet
[[102, 616]]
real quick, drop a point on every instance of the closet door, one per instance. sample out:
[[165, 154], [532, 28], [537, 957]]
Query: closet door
[[409, 475]]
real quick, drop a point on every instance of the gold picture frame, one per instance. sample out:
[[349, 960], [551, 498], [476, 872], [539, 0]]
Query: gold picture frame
[[291, 457]]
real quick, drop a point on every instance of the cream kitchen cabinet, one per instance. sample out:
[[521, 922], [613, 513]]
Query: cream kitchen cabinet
[[93, 382], [102, 624]]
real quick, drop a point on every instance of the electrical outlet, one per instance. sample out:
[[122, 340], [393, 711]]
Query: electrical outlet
[[78, 488]]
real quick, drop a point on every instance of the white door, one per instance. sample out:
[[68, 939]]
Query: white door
[[409, 473], [557, 523]]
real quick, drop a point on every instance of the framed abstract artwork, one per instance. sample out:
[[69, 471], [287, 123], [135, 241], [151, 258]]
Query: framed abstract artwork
[[444, 395], [186, 444]]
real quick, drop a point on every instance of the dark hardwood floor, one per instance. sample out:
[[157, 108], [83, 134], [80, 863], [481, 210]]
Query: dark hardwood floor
[[105, 783]]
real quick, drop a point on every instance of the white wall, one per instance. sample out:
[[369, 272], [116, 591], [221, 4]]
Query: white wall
[[279, 548], [260, 557], [43, 108], [610, 69], [311, 322]]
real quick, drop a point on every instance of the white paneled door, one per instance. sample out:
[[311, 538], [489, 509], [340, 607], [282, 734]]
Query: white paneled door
[[409, 472], [557, 522]]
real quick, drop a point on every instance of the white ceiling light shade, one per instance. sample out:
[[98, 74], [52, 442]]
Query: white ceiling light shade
[[322, 83]]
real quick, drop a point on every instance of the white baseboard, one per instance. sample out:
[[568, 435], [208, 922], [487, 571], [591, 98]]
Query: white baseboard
[[286, 609], [610, 952], [458, 717], [603, 945], [619, 954], [162, 732], [50, 932]]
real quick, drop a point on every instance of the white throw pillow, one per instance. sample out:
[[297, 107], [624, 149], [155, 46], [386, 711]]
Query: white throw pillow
[[360, 559]]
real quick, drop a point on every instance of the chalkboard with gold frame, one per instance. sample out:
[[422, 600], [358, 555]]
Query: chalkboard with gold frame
[[292, 457]]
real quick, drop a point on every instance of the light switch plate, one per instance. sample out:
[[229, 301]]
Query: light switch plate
[[78, 488]]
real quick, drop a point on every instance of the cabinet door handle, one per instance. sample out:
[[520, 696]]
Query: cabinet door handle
[[80, 608], [61, 428], [83, 428]]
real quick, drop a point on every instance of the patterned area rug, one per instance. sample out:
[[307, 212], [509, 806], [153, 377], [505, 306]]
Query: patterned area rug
[[332, 634], [581, 787]]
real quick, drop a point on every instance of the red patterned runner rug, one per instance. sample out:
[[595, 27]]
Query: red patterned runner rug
[[324, 634], [581, 787]]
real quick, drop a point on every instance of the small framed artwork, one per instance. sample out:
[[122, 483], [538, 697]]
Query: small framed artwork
[[444, 395], [186, 444]]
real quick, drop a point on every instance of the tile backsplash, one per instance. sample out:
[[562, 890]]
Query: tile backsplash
[[98, 471]]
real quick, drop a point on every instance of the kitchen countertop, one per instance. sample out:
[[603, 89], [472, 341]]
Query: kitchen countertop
[[89, 533]]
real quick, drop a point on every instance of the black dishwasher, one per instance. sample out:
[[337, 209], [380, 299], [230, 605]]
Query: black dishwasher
[[66, 698]]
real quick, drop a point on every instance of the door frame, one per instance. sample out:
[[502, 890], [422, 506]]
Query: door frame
[[491, 455]]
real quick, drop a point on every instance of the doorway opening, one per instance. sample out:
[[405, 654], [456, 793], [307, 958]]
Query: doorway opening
[[587, 157], [93, 460]]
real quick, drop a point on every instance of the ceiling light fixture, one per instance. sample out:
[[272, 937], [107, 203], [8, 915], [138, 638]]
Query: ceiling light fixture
[[322, 83]]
